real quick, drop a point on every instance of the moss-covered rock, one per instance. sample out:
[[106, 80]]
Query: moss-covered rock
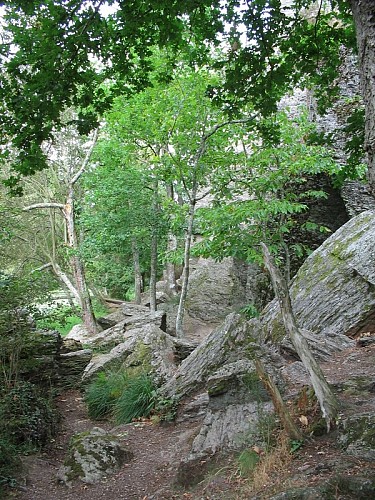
[[92, 455], [334, 290], [357, 436]]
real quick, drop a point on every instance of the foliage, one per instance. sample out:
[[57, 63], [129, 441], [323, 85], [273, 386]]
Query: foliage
[[249, 311], [247, 461], [262, 200], [27, 416], [118, 210], [9, 464], [18, 297], [83, 31], [284, 46], [165, 408], [102, 394], [137, 400], [63, 318]]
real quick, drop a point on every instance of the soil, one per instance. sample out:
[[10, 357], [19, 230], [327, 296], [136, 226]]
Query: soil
[[158, 449]]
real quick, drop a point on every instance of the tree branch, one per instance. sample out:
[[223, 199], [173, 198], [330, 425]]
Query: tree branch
[[61, 206], [86, 160], [41, 268]]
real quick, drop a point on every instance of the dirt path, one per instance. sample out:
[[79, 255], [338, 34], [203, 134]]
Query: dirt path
[[159, 449], [157, 452]]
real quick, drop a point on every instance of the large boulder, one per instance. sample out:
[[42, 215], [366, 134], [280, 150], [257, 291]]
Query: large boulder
[[128, 317], [224, 345], [334, 290], [216, 289], [92, 456]]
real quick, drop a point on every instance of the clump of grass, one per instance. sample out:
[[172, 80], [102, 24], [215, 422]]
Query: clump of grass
[[247, 461], [122, 394], [137, 400], [269, 466], [102, 394]]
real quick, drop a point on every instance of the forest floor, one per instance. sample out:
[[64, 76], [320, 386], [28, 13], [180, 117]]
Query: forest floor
[[158, 450]]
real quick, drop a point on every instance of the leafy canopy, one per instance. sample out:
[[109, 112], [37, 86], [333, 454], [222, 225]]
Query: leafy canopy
[[57, 54]]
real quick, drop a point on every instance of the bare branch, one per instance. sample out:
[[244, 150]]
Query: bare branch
[[86, 160], [61, 206], [41, 268], [228, 122]]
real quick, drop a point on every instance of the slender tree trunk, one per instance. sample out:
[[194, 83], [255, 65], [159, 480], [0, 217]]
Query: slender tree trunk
[[153, 271], [328, 403], [364, 20], [137, 272], [277, 400], [186, 272], [170, 271], [154, 249], [77, 266]]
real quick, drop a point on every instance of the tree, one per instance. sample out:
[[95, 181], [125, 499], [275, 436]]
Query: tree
[[263, 199], [184, 140], [119, 217], [79, 289], [46, 58], [364, 20], [327, 400]]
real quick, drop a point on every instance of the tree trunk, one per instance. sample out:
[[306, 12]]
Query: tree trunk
[[137, 273], [328, 403], [170, 271], [154, 248], [364, 20], [153, 271], [77, 266], [186, 271], [277, 401]]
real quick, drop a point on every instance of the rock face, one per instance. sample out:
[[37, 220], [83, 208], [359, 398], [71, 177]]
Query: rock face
[[129, 316], [71, 367], [334, 290], [93, 455], [216, 289], [144, 345], [222, 346], [357, 197], [357, 436]]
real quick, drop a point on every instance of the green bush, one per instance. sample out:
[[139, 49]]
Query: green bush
[[103, 392], [137, 400], [27, 416], [9, 464]]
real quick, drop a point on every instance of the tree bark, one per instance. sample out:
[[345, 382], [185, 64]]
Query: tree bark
[[77, 265], [328, 403], [364, 20], [277, 400], [137, 273], [170, 271], [186, 271]]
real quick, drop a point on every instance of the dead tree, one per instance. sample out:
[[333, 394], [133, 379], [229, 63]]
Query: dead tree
[[327, 400]]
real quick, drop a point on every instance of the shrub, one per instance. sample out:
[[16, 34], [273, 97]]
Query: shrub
[[102, 393], [27, 416], [137, 400], [9, 464]]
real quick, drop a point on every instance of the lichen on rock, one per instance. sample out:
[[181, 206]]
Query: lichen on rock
[[91, 456]]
